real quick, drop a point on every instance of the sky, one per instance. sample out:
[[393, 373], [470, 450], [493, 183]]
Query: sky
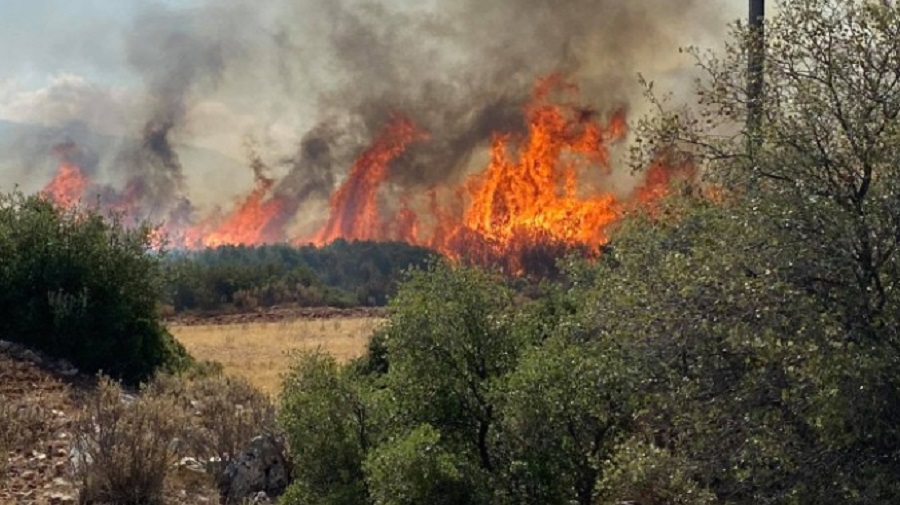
[[44, 38]]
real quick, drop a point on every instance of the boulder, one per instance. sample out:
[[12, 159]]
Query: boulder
[[262, 470]]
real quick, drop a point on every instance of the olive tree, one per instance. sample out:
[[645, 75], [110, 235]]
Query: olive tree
[[817, 185]]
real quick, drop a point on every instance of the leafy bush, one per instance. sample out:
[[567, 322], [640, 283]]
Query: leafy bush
[[83, 287], [125, 447], [644, 473], [417, 469], [326, 423], [452, 403]]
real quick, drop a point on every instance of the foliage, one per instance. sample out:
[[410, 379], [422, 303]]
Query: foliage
[[454, 327], [326, 427], [564, 408], [417, 469], [81, 286], [650, 474], [813, 212], [737, 343], [452, 402]]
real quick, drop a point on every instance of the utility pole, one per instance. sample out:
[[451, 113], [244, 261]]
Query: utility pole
[[755, 86], [756, 69]]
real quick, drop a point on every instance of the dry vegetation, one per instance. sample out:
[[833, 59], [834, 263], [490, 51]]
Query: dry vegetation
[[169, 444], [260, 352]]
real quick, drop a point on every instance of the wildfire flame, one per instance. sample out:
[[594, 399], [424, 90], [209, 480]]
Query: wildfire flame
[[527, 201], [67, 186], [249, 223], [354, 206], [533, 200]]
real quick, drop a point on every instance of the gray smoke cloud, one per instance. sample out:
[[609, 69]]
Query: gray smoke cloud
[[175, 54], [462, 69], [314, 81]]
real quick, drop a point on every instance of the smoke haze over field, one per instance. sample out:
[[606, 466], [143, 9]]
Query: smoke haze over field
[[313, 81]]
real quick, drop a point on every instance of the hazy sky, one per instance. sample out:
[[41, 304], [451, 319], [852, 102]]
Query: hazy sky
[[43, 38]]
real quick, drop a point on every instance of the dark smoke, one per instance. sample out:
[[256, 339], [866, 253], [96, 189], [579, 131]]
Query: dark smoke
[[69, 152], [463, 68], [175, 54], [332, 72]]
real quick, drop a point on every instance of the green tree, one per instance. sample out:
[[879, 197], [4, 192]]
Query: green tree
[[449, 338], [565, 407], [81, 286], [816, 204], [720, 339]]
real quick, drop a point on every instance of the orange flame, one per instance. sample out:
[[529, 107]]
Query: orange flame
[[67, 186], [536, 199], [528, 202], [354, 206], [532, 199], [249, 223]]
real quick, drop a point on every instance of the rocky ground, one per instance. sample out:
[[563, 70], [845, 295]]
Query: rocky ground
[[46, 402], [47, 396]]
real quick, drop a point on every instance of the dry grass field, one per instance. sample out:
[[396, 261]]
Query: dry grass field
[[261, 351]]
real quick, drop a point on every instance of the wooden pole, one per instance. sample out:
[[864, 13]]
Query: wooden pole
[[755, 87], [755, 72]]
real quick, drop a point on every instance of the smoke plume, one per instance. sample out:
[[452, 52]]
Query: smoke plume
[[315, 80]]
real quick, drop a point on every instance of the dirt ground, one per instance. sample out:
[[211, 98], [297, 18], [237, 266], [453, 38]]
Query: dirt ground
[[274, 314]]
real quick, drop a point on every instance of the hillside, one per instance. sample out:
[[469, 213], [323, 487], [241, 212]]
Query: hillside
[[40, 401]]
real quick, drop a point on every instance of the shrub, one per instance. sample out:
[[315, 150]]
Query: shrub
[[24, 423], [326, 426], [81, 286], [223, 414], [125, 447]]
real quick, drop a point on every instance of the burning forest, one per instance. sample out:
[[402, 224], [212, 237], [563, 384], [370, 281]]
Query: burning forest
[[492, 152], [529, 198]]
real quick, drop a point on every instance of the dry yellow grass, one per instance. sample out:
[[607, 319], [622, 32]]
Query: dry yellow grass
[[261, 351]]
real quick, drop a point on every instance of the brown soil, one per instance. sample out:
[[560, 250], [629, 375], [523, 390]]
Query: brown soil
[[274, 314]]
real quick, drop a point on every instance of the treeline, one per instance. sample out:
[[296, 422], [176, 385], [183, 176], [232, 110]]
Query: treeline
[[341, 274]]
